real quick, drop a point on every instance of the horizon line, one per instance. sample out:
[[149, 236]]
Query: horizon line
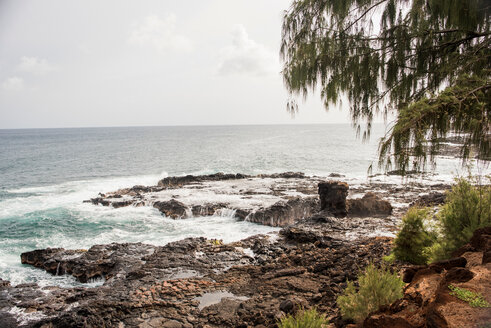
[[182, 125]]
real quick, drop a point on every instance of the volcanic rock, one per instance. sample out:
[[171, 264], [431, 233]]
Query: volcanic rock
[[172, 208], [369, 205], [333, 197]]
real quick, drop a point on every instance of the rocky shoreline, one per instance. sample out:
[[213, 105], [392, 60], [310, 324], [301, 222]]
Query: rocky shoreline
[[329, 231]]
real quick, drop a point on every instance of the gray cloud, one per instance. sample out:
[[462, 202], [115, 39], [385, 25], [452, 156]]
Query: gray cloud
[[34, 65], [159, 33], [245, 56], [154, 62], [13, 83]]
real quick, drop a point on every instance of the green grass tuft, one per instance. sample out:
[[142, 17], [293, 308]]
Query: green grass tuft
[[304, 319], [474, 299]]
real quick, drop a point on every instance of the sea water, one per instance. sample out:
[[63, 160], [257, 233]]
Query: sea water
[[45, 174]]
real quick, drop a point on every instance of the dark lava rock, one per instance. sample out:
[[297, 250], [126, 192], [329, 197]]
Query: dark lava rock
[[172, 208], [100, 261], [284, 175], [207, 209], [189, 179], [369, 205], [432, 199], [333, 197], [285, 213], [400, 172]]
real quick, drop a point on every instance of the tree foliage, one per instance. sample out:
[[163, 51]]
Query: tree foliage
[[427, 60], [377, 287], [414, 238], [466, 209]]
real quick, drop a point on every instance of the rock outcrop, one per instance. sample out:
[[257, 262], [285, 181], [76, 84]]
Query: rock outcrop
[[173, 209], [369, 205], [283, 213], [269, 199], [192, 283], [332, 196], [427, 300]]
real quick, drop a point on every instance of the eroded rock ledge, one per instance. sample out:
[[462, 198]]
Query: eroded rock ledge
[[262, 277], [275, 200], [427, 301]]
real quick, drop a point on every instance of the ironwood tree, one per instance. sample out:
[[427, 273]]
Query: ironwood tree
[[426, 61]]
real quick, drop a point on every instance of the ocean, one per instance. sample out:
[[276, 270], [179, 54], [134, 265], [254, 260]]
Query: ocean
[[45, 174]]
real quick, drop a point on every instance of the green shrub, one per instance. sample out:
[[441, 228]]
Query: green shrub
[[413, 239], [466, 209], [377, 287], [304, 319], [474, 299], [389, 258]]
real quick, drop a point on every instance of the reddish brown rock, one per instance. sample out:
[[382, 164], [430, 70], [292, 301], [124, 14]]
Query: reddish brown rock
[[427, 301]]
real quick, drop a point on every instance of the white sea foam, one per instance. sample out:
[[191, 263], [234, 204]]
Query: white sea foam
[[87, 225], [23, 318], [62, 220], [67, 194]]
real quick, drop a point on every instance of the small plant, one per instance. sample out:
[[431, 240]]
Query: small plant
[[389, 258], [413, 239], [377, 287], [216, 242], [304, 319], [467, 208], [474, 299]]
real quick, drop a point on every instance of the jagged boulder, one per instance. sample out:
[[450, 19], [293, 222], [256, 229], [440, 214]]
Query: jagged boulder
[[369, 205], [283, 213], [332, 196], [172, 208]]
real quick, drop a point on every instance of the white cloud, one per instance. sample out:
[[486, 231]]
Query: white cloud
[[13, 83], [34, 65], [245, 56], [159, 33]]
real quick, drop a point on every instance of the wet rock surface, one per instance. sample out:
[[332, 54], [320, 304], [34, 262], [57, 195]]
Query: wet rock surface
[[163, 286], [369, 205], [252, 282], [275, 199]]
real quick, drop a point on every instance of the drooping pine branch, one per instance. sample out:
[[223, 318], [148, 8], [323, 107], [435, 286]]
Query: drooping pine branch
[[420, 48], [417, 135]]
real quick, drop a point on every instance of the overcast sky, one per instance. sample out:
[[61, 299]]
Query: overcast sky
[[131, 63]]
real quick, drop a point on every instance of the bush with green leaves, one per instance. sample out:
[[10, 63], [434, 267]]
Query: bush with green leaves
[[413, 239], [467, 208], [304, 319], [377, 287]]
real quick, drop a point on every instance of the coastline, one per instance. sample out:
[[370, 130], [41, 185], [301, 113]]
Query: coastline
[[307, 263]]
